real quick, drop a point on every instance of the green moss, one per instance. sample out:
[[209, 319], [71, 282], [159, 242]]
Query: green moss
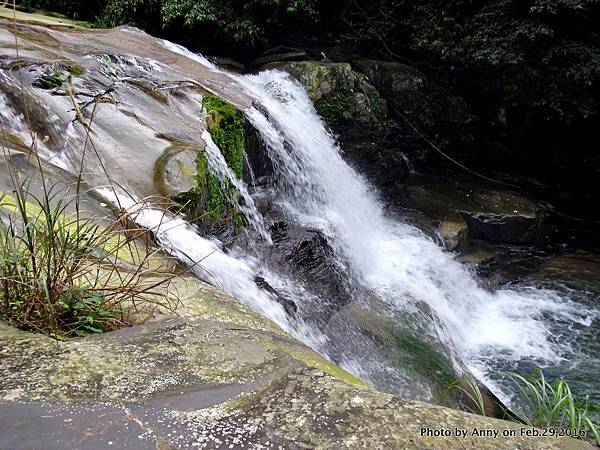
[[335, 110], [427, 361], [76, 71], [51, 79], [210, 200], [227, 127]]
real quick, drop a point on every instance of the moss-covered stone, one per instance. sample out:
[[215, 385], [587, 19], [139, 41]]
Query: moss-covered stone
[[210, 200], [425, 360], [226, 124], [346, 100]]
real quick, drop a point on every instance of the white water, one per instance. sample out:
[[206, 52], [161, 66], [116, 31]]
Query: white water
[[182, 240], [392, 260], [227, 178]]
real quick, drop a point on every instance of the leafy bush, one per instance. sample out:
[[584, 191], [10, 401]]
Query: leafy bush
[[250, 23], [77, 9]]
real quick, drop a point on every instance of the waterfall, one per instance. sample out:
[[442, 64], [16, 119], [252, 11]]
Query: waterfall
[[389, 259], [378, 256], [396, 261]]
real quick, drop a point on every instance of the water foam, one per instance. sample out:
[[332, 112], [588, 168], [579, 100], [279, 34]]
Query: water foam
[[396, 260]]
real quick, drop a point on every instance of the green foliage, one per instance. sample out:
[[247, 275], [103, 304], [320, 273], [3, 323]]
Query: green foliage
[[43, 257], [145, 14], [468, 386], [554, 405], [236, 20], [544, 403], [60, 273], [233, 21], [77, 9]]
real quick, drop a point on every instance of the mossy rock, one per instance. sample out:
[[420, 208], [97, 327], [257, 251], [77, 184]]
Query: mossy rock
[[492, 214], [209, 201], [344, 98], [220, 376]]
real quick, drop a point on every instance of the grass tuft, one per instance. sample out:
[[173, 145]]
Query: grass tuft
[[545, 404]]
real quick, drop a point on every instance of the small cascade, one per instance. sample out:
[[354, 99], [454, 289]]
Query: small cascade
[[227, 178], [205, 257]]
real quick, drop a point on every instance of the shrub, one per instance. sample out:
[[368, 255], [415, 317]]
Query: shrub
[[62, 275]]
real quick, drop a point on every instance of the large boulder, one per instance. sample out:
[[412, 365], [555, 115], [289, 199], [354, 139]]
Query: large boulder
[[440, 115], [492, 214]]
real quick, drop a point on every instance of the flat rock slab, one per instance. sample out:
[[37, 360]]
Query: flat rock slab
[[217, 376]]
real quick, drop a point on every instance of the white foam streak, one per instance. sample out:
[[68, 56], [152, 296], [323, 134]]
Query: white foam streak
[[227, 177], [234, 275]]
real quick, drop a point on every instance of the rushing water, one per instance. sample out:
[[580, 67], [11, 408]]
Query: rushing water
[[394, 261], [228, 179], [384, 263]]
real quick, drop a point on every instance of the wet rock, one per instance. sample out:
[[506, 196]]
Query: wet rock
[[492, 214], [453, 232], [578, 270], [175, 170], [416, 366], [348, 103], [228, 63], [220, 376], [402, 84], [478, 256], [305, 255], [288, 304], [278, 54], [515, 228]]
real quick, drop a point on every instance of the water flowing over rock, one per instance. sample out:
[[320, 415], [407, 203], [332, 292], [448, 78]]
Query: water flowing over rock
[[130, 112]]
